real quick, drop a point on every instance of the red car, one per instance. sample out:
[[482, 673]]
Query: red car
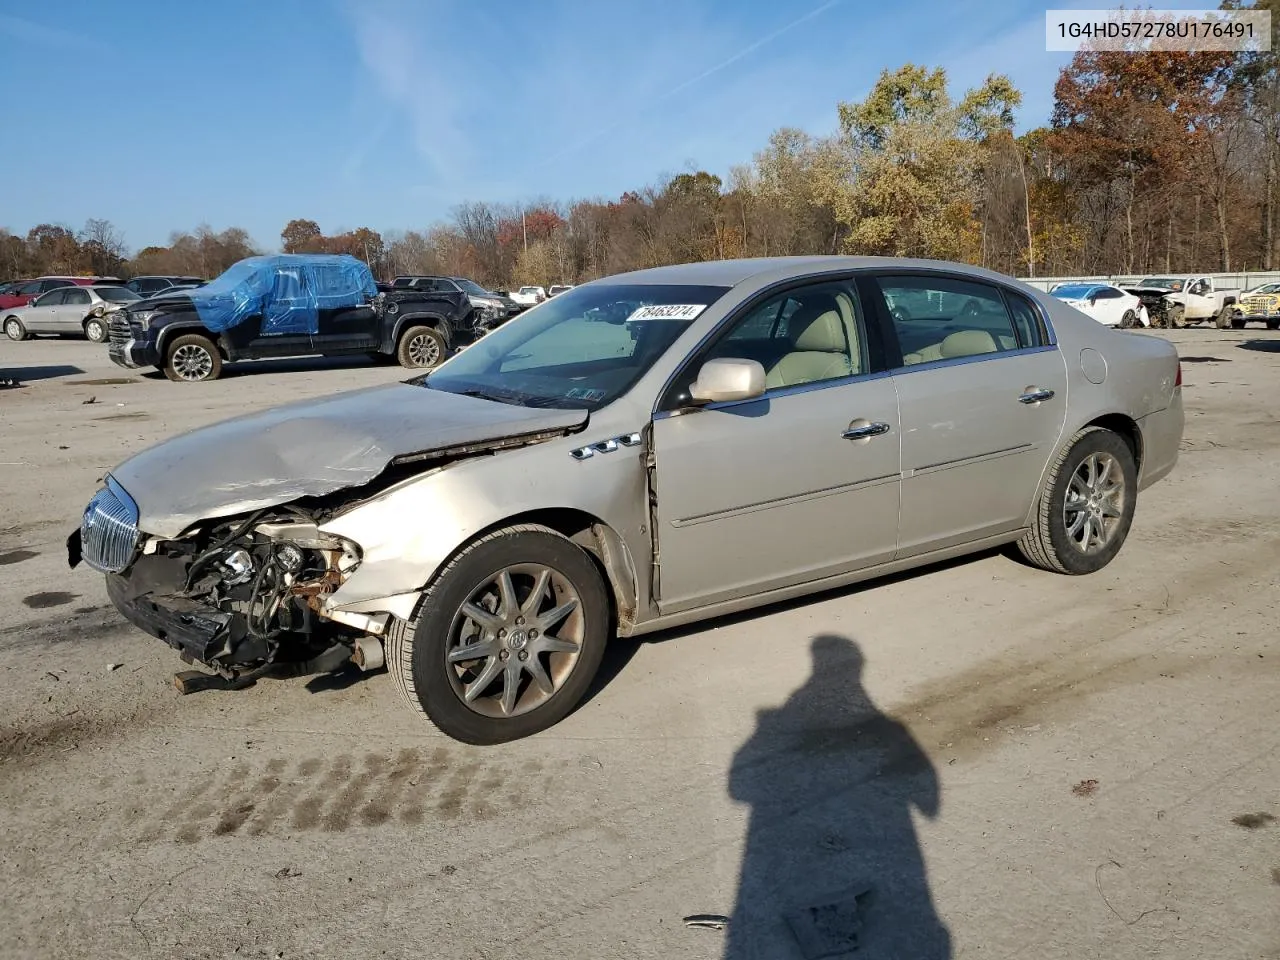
[[21, 292]]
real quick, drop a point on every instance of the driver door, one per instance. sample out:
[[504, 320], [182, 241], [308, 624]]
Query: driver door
[[799, 484]]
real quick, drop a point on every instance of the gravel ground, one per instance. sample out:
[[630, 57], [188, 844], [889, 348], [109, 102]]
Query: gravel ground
[[985, 760]]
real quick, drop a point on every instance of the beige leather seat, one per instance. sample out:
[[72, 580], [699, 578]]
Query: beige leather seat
[[962, 343], [820, 347]]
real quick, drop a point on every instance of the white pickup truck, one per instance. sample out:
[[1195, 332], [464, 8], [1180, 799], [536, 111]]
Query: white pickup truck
[[1179, 301], [528, 296]]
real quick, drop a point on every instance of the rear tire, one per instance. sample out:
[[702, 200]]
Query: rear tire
[[14, 329], [1087, 505], [421, 348], [422, 653], [1129, 320], [192, 358]]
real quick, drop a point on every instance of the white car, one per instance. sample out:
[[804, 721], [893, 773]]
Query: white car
[[528, 296], [1108, 305], [82, 310]]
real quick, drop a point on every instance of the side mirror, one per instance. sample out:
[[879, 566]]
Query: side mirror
[[727, 379]]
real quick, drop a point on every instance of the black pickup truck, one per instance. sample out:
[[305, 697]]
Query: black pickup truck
[[290, 305]]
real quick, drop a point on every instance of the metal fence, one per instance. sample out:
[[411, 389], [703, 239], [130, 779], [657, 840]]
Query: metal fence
[[1221, 281]]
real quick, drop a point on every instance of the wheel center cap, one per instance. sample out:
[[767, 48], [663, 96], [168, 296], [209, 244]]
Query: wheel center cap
[[517, 639]]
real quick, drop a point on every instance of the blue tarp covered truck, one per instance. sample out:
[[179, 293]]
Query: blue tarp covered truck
[[289, 305]]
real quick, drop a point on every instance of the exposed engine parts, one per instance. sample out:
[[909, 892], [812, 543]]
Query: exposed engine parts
[[246, 597]]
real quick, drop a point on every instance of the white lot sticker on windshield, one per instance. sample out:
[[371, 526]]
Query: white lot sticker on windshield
[[668, 311]]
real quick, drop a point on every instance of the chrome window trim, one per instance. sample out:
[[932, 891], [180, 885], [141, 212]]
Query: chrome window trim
[[778, 392], [976, 358]]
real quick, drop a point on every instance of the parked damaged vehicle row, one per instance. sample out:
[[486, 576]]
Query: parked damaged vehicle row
[[288, 306], [636, 453]]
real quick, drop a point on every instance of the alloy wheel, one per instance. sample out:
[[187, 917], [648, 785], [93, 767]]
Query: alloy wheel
[[515, 640], [1095, 502], [424, 350], [192, 362]]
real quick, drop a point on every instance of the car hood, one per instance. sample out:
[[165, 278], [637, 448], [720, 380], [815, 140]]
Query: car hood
[[1152, 290], [315, 447]]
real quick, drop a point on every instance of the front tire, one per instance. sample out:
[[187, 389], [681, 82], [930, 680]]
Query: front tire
[[1273, 324], [192, 358], [14, 329], [1086, 507], [507, 639], [95, 330], [421, 348]]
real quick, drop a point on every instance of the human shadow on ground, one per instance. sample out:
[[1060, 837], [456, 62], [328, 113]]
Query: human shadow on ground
[[832, 865]]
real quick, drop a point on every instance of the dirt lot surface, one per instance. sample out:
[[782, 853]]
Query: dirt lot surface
[[1012, 763]]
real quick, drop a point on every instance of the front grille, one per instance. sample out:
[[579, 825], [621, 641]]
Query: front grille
[[118, 329], [109, 529], [1260, 305]]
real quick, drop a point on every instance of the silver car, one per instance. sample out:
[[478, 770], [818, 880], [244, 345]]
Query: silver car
[[77, 310], [639, 452]]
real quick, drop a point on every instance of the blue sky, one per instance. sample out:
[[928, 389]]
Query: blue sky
[[387, 113]]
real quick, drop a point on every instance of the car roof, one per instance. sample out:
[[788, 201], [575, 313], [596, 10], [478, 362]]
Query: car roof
[[762, 271]]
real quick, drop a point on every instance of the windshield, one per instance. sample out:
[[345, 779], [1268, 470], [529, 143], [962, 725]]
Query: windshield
[[1167, 282], [528, 289], [1074, 291], [473, 288], [116, 294], [582, 350]]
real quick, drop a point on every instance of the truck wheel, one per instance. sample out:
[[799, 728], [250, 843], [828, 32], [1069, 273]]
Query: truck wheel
[[1273, 324], [507, 639], [420, 347], [1174, 316], [192, 358], [14, 329], [95, 329], [1086, 507]]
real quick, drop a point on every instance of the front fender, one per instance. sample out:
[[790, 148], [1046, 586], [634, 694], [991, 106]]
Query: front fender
[[411, 531]]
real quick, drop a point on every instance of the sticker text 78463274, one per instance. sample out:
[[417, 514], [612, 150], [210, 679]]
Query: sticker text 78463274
[[668, 311]]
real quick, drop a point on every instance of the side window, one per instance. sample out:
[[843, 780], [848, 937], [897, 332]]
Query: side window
[[76, 297], [802, 336], [30, 289], [51, 299], [1026, 320], [55, 284], [1106, 293], [941, 318]]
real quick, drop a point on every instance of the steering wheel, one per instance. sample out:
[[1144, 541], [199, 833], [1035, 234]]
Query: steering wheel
[[970, 310]]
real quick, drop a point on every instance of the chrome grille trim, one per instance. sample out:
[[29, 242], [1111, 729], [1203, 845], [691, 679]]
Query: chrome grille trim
[[109, 529]]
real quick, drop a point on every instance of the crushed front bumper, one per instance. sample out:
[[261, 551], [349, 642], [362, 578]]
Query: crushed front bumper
[[195, 629]]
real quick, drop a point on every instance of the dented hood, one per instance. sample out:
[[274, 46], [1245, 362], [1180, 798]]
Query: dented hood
[[311, 448]]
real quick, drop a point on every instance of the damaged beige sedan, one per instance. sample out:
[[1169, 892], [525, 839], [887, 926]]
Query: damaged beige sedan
[[639, 452]]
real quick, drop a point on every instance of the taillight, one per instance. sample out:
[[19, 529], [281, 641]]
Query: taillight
[[1177, 381]]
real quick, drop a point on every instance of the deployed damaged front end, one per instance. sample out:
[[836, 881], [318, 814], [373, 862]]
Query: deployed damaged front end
[[215, 541], [241, 596]]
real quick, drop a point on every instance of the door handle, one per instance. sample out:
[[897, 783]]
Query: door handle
[[1035, 395], [865, 431]]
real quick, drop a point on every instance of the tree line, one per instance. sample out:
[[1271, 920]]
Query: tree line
[[1151, 162]]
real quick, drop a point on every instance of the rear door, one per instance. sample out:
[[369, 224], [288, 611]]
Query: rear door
[[41, 314], [983, 393]]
